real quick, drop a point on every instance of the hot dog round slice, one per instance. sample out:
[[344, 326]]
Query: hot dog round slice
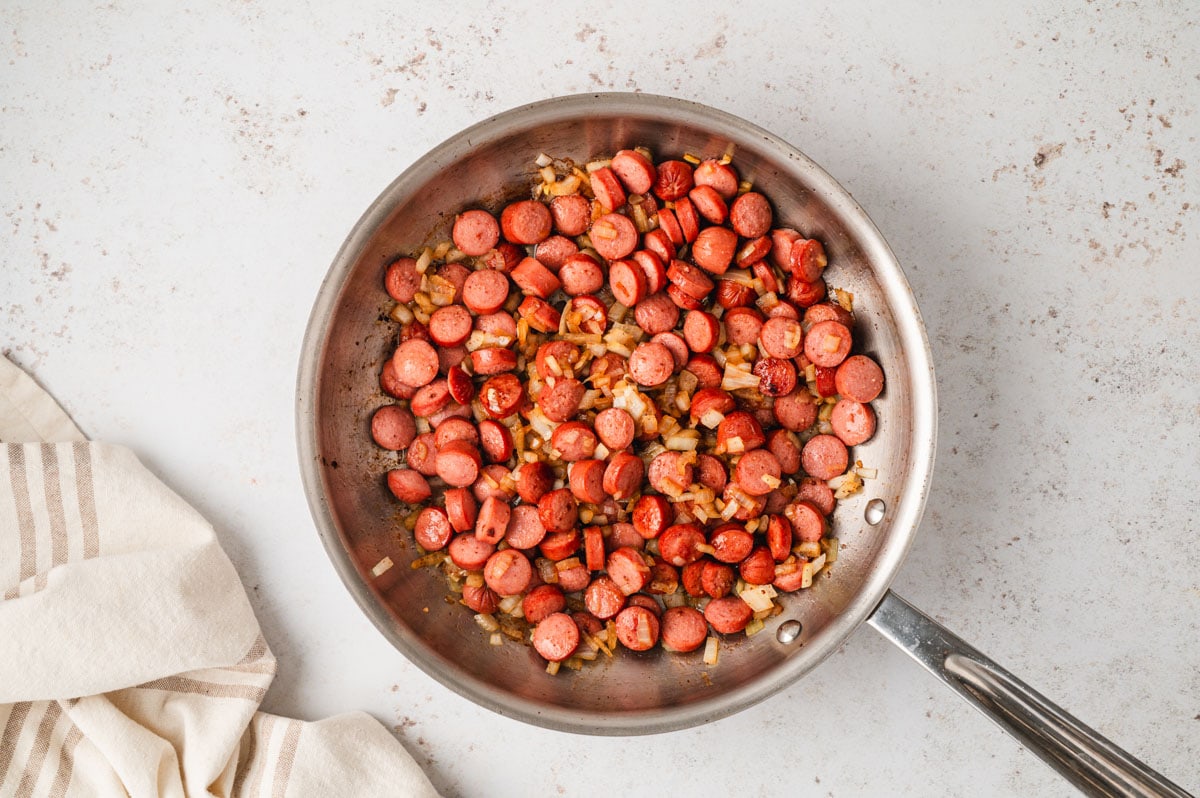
[[560, 401], [824, 457], [475, 232], [525, 529], [758, 472], [652, 515], [556, 637], [627, 280], [628, 570], [469, 552], [808, 523], [634, 170], [558, 510], [458, 463], [637, 628], [719, 176], [616, 428], [782, 338], [432, 531], [526, 222], [683, 629], [674, 180], [613, 236], [542, 601], [623, 476], [581, 274], [402, 280], [573, 441], [485, 291], [603, 598], [408, 485], [394, 428], [827, 343], [651, 364], [608, 190], [508, 572], [534, 279], [758, 568], [853, 422], [570, 214], [728, 615], [461, 509], [422, 453], [731, 543], [859, 379], [713, 249], [415, 363], [709, 204], [750, 216], [656, 313], [492, 523], [586, 480]]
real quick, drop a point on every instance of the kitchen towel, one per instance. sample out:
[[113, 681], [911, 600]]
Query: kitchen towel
[[131, 662]]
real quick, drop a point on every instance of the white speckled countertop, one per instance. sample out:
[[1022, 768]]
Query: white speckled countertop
[[176, 183]]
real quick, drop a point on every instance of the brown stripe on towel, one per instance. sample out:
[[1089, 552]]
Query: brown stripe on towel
[[66, 763], [268, 727], [25, 522], [85, 491], [12, 732], [41, 747], [182, 684], [256, 652], [246, 761], [54, 504], [287, 756]]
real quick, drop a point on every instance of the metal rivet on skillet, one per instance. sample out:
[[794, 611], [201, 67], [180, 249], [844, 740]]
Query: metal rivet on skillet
[[788, 632], [874, 512]]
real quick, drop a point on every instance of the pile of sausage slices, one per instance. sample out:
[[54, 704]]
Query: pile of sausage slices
[[624, 408]]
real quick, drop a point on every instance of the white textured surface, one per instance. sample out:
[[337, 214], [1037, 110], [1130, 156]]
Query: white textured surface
[[175, 185]]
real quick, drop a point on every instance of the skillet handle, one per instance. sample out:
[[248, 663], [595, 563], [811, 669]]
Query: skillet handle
[[1089, 761]]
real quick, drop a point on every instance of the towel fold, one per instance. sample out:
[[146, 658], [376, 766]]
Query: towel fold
[[130, 658]]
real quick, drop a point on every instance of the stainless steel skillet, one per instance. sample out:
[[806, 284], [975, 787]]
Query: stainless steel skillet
[[347, 340]]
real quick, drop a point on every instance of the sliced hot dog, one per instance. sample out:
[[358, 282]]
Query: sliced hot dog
[[526, 222], [683, 629], [556, 637], [475, 232], [393, 427], [859, 378]]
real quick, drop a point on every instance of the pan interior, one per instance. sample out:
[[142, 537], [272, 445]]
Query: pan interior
[[349, 338]]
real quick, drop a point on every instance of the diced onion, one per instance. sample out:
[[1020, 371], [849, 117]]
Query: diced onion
[[711, 651], [808, 548], [382, 567], [424, 261], [486, 622], [543, 160], [758, 597], [401, 313]]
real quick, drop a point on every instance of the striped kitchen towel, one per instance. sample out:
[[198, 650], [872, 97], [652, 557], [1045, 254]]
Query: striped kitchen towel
[[131, 662]]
